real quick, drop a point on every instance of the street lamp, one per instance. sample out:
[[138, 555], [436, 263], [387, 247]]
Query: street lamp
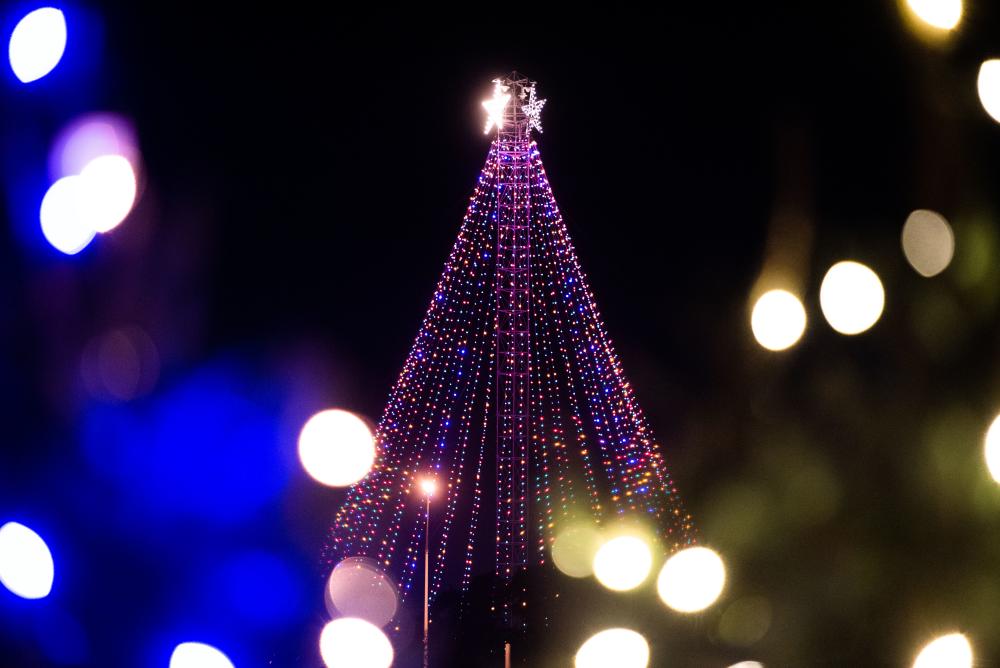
[[429, 486]]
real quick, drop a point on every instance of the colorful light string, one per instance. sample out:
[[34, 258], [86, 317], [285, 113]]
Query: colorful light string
[[592, 455]]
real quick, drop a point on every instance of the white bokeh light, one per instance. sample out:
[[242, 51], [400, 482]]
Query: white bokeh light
[[91, 136], [747, 664], [942, 14], [336, 448], [358, 588], [198, 655], [620, 648], [851, 297], [623, 563], [692, 579], [26, 566], [75, 208], [928, 242], [988, 85], [992, 449], [778, 320], [109, 190], [949, 651], [37, 44], [354, 643], [61, 216]]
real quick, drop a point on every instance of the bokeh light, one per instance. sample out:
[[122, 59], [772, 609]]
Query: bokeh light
[[354, 643], [37, 44], [621, 648], [778, 320], [747, 664], [692, 579], [988, 85], [428, 486], [205, 447], [336, 448], [93, 136], [623, 563], [851, 297], [745, 621], [60, 215], [992, 449], [110, 188], [574, 548], [942, 14], [357, 587], [198, 655], [76, 207], [256, 589], [928, 242], [26, 566], [120, 364], [949, 651]]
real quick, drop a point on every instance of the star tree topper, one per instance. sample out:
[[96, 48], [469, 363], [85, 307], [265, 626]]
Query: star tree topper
[[495, 106], [533, 109]]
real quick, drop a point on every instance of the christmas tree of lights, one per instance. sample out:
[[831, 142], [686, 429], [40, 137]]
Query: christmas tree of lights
[[512, 396]]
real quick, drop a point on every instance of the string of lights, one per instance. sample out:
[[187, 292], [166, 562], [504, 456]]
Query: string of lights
[[512, 357]]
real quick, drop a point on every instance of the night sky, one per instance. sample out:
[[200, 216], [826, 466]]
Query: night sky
[[305, 174]]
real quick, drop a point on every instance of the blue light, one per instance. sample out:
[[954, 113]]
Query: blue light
[[37, 44], [208, 447], [258, 588], [61, 637], [26, 566]]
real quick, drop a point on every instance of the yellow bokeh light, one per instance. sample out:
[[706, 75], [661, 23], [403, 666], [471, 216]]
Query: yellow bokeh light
[[336, 448], [574, 548], [950, 651], [992, 449], [928, 242], [988, 85], [851, 297], [623, 563], [692, 579], [778, 320], [941, 14], [621, 648]]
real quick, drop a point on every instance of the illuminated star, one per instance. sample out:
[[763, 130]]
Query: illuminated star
[[494, 107], [533, 110]]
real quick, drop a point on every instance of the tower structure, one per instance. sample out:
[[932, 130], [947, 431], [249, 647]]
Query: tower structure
[[512, 397], [513, 330]]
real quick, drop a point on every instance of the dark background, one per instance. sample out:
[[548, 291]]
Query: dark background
[[305, 173]]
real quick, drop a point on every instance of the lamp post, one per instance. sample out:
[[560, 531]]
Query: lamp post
[[429, 486]]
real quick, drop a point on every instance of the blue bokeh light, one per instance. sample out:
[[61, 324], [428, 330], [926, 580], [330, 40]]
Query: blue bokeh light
[[258, 589], [37, 44], [207, 447]]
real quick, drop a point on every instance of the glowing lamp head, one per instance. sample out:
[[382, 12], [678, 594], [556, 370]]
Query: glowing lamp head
[[429, 487]]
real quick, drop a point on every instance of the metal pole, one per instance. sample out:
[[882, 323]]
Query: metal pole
[[427, 570], [506, 655]]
